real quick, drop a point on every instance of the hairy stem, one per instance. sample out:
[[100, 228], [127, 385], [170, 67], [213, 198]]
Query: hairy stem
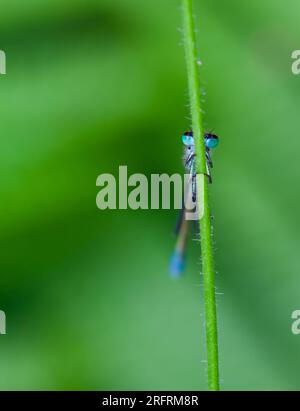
[[205, 221]]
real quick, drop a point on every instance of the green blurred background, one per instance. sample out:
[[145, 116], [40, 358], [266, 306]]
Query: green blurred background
[[92, 85]]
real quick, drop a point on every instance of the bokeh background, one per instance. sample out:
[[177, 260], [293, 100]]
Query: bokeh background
[[92, 85]]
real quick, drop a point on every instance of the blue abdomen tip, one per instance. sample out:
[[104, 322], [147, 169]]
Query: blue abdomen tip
[[176, 264]]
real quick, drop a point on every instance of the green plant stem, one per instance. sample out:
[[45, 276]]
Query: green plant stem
[[205, 221]]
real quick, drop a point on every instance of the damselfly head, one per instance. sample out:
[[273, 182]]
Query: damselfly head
[[188, 139], [211, 140]]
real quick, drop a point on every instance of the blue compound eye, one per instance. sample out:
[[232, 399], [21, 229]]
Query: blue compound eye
[[188, 140], [211, 142]]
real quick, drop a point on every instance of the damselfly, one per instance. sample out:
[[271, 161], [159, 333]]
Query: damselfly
[[210, 141]]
